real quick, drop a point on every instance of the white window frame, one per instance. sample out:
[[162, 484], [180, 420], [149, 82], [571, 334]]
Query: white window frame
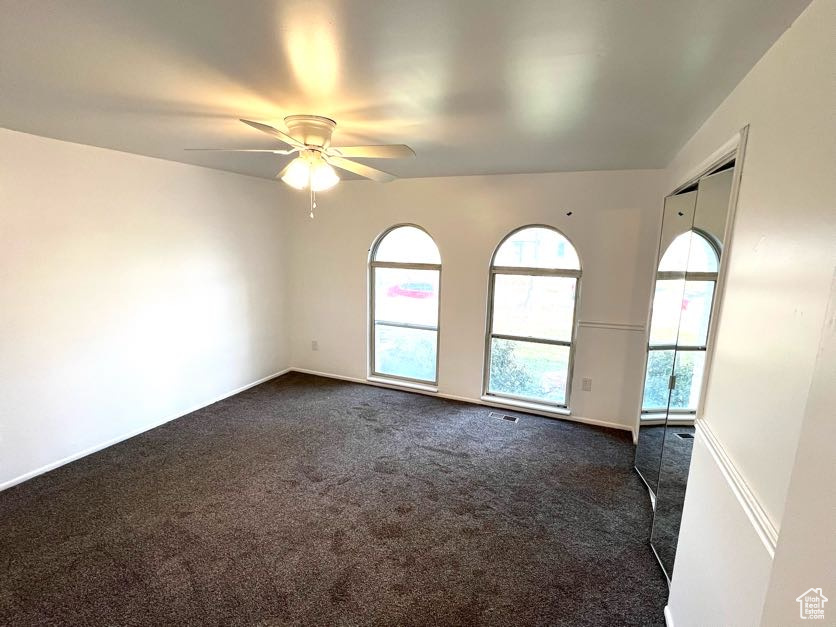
[[373, 265], [490, 335]]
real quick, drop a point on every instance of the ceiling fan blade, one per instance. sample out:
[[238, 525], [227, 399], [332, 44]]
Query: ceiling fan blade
[[361, 169], [274, 151], [266, 128], [283, 171], [388, 151]]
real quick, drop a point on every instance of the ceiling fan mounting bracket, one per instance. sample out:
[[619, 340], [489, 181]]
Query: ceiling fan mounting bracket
[[312, 130]]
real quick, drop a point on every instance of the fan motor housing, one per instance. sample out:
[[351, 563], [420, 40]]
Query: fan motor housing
[[311, 130]]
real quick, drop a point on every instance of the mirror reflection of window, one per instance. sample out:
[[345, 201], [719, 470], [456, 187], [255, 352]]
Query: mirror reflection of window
[[684, 294], [692, 252]]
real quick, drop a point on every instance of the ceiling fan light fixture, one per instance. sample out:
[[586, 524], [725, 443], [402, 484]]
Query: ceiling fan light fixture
[[323, 176], [310, 169], [297, 173]]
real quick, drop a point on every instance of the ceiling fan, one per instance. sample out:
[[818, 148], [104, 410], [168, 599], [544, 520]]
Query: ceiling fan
[[313, 168]]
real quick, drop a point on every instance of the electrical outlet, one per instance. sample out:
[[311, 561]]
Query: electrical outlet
[[314, 345], [586, 384]]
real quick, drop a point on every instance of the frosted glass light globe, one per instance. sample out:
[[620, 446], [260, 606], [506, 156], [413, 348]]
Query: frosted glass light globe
[[298, 173], [323, 177]]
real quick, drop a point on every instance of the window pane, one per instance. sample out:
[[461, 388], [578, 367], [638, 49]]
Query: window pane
[[405, 352], [407, 244], [689, 251], [675, 258], [537, 247], [667, 306], [696, 313], [528, 369], [403, 295], [702, 256], [688, 371], [534, 306], [659, 371]]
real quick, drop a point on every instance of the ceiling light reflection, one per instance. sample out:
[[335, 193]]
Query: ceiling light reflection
[[311, 44]]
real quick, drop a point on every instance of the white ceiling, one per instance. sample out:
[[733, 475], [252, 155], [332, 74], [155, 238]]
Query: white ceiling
[[474, 86]]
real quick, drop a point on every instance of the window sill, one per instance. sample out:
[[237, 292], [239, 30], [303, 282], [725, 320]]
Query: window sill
[[409, 385], [548, 410]]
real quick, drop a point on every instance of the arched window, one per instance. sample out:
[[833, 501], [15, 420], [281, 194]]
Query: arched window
[[682, 302], [531, 317], [405, 272]]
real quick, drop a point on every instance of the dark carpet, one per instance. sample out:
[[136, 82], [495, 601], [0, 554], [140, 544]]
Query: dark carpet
[[312, 501]]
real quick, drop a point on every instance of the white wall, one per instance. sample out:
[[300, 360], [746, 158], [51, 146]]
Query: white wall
[[701, 594], [806, 553], [132, 290], [780, 268], [614, 227]]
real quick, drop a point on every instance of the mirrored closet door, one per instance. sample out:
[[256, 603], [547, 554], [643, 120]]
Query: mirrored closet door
[[668, 295], [690, 254]]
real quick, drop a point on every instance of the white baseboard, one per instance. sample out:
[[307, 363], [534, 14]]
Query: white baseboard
[[352, 379], [135, 432], [477, 401], [668, 616], [467, 399]]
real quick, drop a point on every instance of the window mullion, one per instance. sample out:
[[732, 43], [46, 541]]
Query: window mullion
[[531, 339], [407, 325], [536, 271], [406, 266]]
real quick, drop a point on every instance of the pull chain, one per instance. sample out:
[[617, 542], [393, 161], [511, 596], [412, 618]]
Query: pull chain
[[312, 192]]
